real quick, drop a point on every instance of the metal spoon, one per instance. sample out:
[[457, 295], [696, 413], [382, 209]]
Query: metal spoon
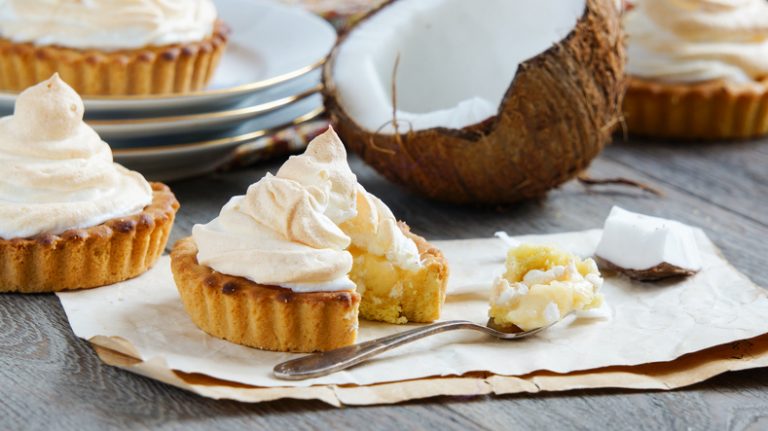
[[324, 363]]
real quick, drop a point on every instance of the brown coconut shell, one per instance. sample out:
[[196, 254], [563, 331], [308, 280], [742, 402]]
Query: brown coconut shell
[[556, 116], [661, 271]]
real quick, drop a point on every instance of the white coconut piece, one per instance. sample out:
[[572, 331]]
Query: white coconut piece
[[647, 248], [456, 59]]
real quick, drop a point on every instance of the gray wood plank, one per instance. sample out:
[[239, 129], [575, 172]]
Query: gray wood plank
[[732, 175], [735, 401], [51, 380]]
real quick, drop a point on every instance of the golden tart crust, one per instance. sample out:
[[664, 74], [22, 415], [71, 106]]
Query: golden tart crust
[[713, 110], [113, 251], [170, 69], [265, 317], [275, 318]]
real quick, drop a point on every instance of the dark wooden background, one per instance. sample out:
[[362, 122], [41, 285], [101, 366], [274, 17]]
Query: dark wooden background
[[49, 379]]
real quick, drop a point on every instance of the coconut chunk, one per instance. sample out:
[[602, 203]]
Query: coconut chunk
[[647, 248]]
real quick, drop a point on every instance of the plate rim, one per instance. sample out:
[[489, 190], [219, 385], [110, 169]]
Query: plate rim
[[261, 108], [218, 142]]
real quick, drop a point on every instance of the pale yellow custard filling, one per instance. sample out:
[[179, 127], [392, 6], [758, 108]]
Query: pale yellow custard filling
[[541, 285], [396, 295]]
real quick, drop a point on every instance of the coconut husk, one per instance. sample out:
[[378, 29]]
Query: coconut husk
[[556, 116]]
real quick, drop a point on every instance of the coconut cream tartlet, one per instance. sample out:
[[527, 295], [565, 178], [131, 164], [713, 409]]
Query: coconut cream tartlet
[[70, 218], [102, 47], [698, 69], [289, 265]]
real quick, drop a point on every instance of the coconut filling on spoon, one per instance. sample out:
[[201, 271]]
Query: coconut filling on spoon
[[542, 285], [296, 229], [438, 85]]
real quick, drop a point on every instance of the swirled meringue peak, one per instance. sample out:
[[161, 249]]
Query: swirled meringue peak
[[324, 164], [293, 229], [698, 40], [375, 230], [55, 172], [106, 25]]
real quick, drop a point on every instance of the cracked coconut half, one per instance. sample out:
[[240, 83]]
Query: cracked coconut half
[[485, 102]]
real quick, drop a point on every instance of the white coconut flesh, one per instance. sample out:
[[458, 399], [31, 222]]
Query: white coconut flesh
[[639, 242], [457, 59]]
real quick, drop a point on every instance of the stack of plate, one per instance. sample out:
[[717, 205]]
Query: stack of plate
[[268, 80]]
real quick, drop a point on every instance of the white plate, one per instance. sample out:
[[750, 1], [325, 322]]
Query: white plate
[[187, 159], [268, 120], [270, 44], [118, 131]]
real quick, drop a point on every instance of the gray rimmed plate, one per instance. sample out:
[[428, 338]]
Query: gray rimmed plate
[[178, 158]]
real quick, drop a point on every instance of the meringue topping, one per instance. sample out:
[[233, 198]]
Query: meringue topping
[[698, 40], [293, 229], [375, 229], [106, 24], [55, 172], [324, 165]]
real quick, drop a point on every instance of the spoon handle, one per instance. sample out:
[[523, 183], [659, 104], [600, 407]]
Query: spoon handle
[[324, 363]]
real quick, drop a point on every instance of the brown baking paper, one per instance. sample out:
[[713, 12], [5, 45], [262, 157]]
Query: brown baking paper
[[650, 336], [687, 370]]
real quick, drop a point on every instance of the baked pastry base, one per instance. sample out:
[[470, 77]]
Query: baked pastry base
[[172, 69], [712, 110], [265, 317], [111, 252]]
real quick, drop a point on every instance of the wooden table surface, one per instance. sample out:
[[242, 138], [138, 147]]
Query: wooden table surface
[[49, 379]]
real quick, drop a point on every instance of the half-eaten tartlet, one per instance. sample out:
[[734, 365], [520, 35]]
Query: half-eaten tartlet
[[139, 47], [697, 69], [289, 265], [542, 285], [70, 218]]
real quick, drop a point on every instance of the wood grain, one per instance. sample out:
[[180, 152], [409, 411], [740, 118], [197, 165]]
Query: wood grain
[[732, 175], [51, 380]]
